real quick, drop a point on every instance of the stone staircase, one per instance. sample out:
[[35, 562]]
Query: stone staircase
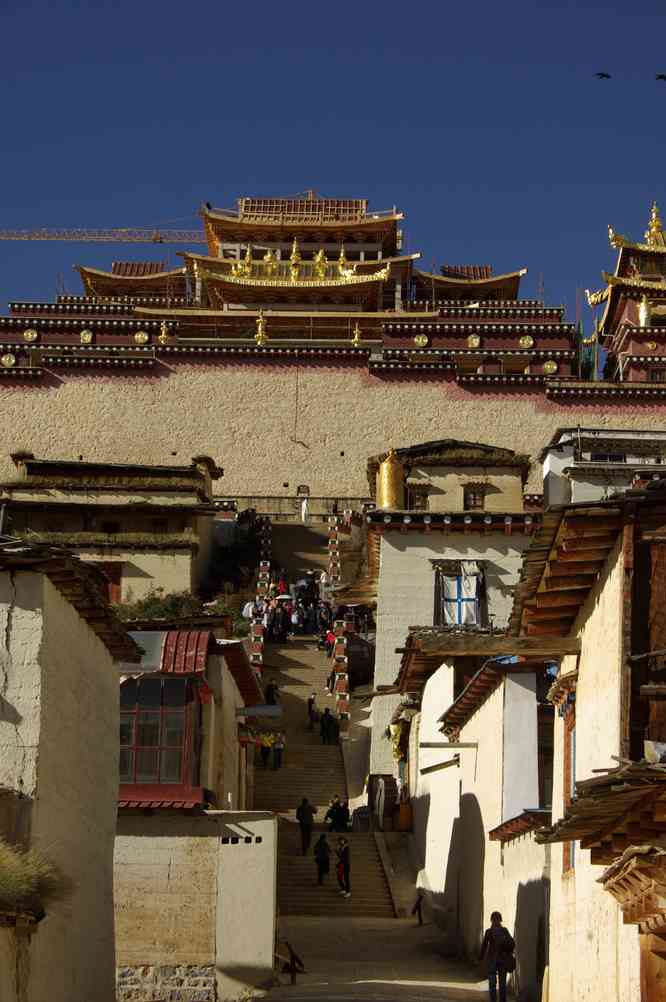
[[315, 771]]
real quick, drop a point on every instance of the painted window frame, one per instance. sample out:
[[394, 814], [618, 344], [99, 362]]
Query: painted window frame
[[188, 745]]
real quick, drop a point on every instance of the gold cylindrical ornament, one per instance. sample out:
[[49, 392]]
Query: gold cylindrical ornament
[[391, 483]]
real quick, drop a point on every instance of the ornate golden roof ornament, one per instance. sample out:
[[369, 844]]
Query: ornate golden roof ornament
[[243, 269], [644, 312], [261, 337], [654, 235], [344, 269], [320, 264], [295, 260], [391, 483], [356, 340], [270, 263], [163, 336]]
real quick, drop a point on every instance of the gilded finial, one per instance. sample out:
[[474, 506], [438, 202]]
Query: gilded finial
[[261, 337], [295, 259], [320, 264], [356, 340], [163, 336], [654, 235], [342, 260], [270, 263]]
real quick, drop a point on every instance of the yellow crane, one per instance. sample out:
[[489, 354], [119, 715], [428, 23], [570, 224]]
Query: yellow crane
[[111, 236]]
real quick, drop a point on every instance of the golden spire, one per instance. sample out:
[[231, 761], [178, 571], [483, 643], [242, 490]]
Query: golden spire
[[320, 264], [654, 235], [163, 336], [270, 263], [295, 260], [356, 340], [261, 337], [342, 260]]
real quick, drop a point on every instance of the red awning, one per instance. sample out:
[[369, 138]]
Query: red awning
[[157, 795], [185, 651]]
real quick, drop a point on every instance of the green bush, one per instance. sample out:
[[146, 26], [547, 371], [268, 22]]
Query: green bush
[[29, 880], [158, 605]]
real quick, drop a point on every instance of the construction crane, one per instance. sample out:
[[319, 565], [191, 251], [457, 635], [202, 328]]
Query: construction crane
[[113, 236]]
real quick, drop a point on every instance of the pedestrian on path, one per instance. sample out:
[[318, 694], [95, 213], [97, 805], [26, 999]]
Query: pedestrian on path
[[333, 813], [313, 713], [322, 855], [278, 750], [344, 867], [497, 956], [326, 727], [305, 813], [265, 745], [271, 694]]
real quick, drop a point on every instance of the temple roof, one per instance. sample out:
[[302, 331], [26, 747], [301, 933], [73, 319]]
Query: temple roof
[[107, 283], [450, 451], [655, 239], [508, 282], [282, 218]]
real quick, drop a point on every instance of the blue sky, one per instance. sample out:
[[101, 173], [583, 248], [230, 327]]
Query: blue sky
[[483, 122]]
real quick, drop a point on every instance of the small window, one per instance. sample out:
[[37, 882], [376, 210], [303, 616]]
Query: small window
[[607, 457], [159, 525], [458, 595], [658, 375], [158, 727], [113, 571], [110, 527], [473, 498]]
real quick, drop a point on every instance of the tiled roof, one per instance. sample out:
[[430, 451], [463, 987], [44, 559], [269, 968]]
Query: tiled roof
[[154, 796], [137, 269]]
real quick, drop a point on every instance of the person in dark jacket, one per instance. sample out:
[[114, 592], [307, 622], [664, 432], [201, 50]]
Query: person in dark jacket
[[333, 814], [326, 727], [305, 813], [344, 867], [497, 956], [322, 855], [344, 817], [313, 712]]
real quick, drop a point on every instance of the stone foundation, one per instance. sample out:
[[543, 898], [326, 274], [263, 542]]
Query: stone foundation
[[180, 983]]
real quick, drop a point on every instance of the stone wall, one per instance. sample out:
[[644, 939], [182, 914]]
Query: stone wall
[[586, 922], [271, 424], [143, 571], [59, 745], [406, 597], [195, 905]]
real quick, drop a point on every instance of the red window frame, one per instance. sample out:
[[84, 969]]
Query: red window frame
[[113, 570], [138, 721]]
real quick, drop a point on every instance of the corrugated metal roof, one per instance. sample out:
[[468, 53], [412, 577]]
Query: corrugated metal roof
[[185, 651], [137, 269]]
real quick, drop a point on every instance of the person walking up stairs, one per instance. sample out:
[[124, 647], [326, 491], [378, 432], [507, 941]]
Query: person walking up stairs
[[315, 771]]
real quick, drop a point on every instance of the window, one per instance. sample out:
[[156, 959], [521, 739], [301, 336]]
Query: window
[[458, 586], [473, 497], [159, 525], [658, 375], [159, 720], [607, 457]]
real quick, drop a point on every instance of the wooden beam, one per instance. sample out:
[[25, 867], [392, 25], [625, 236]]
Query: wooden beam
[[491, 645], [568, 581], [440, 765], [553, 629], [596, 553], [550, 599], [595, 542], [448, 744], [543, 615], [592, 526], [557, 568]]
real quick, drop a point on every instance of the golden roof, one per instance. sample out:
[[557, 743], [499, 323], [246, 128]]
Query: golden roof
[[655, 239], [295, 281]]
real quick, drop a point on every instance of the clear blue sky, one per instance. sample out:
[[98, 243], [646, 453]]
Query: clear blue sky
[[482, 121]]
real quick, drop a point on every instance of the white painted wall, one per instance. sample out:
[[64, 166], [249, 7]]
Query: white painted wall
[[520, 773], [406, 597], [586, 922], [59, 744]]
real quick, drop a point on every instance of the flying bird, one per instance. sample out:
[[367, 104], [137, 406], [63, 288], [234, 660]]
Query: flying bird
[[602, 76], [660, 76]]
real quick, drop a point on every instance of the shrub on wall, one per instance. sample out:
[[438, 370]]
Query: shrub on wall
[[29, 881]]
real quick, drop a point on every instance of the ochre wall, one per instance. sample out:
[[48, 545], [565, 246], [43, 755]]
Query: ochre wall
[[270, 424], [59, 743], [585, 921]]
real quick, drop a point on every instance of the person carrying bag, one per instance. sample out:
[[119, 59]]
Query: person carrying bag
[[497, 956]]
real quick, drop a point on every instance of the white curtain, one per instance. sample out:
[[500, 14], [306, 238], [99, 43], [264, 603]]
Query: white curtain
[[460, 595]]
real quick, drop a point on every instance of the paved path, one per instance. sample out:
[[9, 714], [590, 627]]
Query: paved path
[[373, 959]]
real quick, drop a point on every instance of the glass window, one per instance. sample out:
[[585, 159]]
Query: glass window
[[473, 498], [158, 725]]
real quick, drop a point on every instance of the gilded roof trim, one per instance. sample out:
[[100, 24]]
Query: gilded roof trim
[[300, 283], [475, 282]]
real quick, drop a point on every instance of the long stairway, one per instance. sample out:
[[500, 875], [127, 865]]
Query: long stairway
[[314, 771]]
